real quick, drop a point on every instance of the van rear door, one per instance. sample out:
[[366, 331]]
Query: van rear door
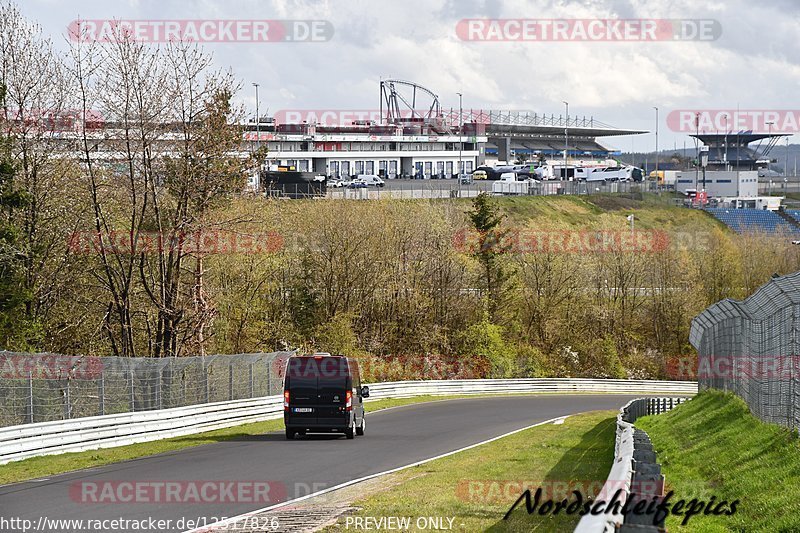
[[334, 382], [302, 374]]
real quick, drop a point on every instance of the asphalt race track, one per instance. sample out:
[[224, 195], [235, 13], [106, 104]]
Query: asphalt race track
[[394, 437]]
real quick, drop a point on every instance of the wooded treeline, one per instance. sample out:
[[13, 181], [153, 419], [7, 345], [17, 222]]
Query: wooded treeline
[[117, 160]]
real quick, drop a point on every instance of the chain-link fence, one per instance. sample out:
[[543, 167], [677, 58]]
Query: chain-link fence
[[750, 347], [44, 387]]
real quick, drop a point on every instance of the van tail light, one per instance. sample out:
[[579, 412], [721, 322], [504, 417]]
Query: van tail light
[[286, 400], [348, 397]]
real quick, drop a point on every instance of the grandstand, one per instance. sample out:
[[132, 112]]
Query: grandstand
[[755, 221], [794, 213]]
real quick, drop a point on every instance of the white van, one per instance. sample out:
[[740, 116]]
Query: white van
[[370, 179]]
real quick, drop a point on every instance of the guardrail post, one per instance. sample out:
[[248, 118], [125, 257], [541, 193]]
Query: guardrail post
[[30, 396]]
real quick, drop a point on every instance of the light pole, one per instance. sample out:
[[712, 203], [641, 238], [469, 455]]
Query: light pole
[[258, 121], [657, 177], [769, 132], [726, 140], [696, 147], [704, 163], [566, 137], [460, 138], [786, 166]]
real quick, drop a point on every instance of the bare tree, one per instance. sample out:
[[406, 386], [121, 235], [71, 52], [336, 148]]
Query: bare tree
[[38, 114]]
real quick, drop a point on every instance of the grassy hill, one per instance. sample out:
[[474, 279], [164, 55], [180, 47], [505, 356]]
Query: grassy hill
[[713, 446]]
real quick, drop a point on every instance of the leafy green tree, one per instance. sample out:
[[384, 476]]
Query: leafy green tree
[[492, 244], [485, 340], [16, 329]]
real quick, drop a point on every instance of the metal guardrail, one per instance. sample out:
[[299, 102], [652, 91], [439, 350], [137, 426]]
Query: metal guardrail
[[48, 387], [90, 433], [399, 389], [623, 468]]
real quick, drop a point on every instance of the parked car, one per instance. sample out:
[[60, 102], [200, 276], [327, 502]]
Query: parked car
[[465, 179], [322, 393], [480, 175], [336, 183], [357, 184]]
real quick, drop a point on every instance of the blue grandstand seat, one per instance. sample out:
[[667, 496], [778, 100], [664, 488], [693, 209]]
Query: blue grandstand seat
[[756, 220]]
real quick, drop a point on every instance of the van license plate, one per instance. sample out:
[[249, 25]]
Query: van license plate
[[303, 410]]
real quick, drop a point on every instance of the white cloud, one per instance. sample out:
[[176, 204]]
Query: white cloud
[[755, 63]]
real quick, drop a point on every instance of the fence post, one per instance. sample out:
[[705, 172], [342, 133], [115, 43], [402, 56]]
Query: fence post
[[133, 396], [230, 381], [205, 382], [250, 379], [183, 387], [159, 377], [30, 396], [101, 392], [67, 402]]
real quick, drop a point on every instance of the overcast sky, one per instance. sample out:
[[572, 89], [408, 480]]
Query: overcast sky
[[754, 63]]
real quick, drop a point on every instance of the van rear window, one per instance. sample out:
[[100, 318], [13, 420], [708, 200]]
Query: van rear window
[[324, 368]]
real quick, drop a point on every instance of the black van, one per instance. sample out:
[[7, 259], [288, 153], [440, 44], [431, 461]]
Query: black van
[[322, 393]]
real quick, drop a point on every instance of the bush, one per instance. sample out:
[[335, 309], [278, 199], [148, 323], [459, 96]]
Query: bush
[[531, 362], [485, 340], [601, 360]]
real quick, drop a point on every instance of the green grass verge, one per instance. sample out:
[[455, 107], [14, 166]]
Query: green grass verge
[[580, 449], [713, 446], [49, 465]]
